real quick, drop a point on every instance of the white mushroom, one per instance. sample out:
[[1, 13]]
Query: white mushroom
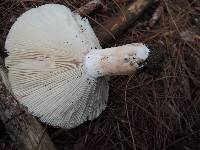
[[58, 69]]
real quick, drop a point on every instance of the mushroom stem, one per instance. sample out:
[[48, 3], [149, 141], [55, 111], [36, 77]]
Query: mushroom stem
[[121, 60]]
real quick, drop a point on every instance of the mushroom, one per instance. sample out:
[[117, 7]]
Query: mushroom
[[58, 69]]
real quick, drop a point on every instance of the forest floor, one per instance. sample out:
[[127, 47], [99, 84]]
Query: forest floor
[[158, 108]]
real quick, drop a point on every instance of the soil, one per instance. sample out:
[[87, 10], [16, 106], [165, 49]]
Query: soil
[[158, 107]]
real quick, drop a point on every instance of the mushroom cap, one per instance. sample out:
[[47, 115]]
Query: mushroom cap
[[46, 48]]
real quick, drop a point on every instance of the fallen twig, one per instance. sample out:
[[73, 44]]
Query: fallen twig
[[120, 23], [90, 7]]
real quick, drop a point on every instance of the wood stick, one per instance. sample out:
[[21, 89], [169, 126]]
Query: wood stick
[[23, 129], [89, 7], [121, 22]]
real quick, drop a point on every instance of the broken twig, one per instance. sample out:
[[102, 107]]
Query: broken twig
[[120, 23], [90, 7]]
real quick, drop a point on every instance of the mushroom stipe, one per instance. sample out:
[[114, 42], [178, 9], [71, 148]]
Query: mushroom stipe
[[58, 69]]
